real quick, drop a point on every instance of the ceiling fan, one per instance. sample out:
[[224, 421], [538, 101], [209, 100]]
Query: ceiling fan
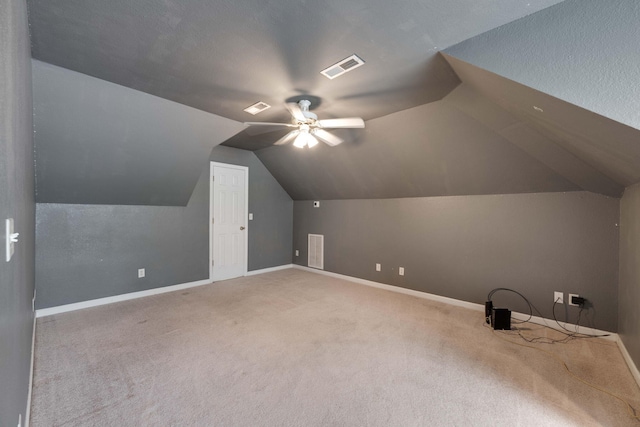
[[308, 129]]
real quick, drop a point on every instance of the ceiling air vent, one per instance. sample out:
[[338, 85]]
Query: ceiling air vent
[[258, 107], [344, 66]]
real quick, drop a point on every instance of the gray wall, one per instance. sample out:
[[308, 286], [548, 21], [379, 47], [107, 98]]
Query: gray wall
[[16, 201], [581, 51], [92, 251], [101, 143], [462, 247], [629, 291]]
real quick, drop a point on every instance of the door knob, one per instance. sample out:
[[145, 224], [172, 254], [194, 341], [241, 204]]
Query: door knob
[[241, 228]]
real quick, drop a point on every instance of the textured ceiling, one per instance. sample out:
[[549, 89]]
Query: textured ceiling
[[461, 145], [100, 143], [426, 134], [222, 56], [609, 146], [585, 52]]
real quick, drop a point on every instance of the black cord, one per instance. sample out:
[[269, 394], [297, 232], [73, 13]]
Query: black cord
[[517, 293], [569, 335], [576, 334]]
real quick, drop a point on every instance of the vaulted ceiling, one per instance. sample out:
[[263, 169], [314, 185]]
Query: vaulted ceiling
[[528, 96]]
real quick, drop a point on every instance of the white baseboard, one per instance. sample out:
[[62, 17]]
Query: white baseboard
[[27, 416], [611, 336], [133, 295], [465, 304], [117, 298], [269, 270], [398, 289]]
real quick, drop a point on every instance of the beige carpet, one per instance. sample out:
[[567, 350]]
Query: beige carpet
[[293, 348]]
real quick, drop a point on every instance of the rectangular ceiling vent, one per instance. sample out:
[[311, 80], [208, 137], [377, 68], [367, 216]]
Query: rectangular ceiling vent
[[316, 251], [344, 66], [258, 107]]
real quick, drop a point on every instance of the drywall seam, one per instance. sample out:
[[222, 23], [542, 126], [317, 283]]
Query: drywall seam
[[269, 270], [627, 358], [610, 336], [27, 414], [117, 298]]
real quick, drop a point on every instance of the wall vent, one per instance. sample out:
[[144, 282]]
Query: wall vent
[[344, 66], [316, 251], [258, 107]]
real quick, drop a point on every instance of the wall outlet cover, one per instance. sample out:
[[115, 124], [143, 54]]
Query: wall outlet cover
[[571, 299], [378, 267], [141, 273], [250, 217], [401, 271], [558, 297], [297, 252]]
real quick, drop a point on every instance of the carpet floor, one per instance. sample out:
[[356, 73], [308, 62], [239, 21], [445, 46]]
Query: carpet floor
[[293, 348]]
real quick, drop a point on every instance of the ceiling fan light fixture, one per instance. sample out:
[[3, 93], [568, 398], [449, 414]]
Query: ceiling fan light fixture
[[312, 141], [309, 130], [304, 139]]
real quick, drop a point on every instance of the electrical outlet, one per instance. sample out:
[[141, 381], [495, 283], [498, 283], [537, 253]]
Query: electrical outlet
[[571, 299], [250, 217], [141, 273], [558, 297], [401, 271], [378, 267], [297, 252], [316, 204]]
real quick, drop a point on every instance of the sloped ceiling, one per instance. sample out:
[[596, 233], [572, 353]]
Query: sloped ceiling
[[461, 145], [100, 143], [609, 146], [426, 134], [584, 52], [222, 56], [571, 72]]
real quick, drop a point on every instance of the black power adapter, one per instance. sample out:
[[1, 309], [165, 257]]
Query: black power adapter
[[488, 308], [578, 300], [499, 318]]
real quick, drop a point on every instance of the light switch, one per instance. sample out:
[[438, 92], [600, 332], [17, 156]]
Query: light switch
[[250, 217], [11, 239]]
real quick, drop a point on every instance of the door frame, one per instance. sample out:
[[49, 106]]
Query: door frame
[[246, 213]]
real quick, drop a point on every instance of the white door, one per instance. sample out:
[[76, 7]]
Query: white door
[[229, 213]]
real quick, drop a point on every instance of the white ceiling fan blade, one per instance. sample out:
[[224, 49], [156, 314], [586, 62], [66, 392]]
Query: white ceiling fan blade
[[348, 122], [295, 111], [327, 137], [258, 128], [269, 124], [287, 138]]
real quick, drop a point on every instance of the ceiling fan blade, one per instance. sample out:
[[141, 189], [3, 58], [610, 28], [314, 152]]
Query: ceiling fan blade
[[287, 138], [295, 111], [348, 122], [258, 128], [269, 124], [327, 137]]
